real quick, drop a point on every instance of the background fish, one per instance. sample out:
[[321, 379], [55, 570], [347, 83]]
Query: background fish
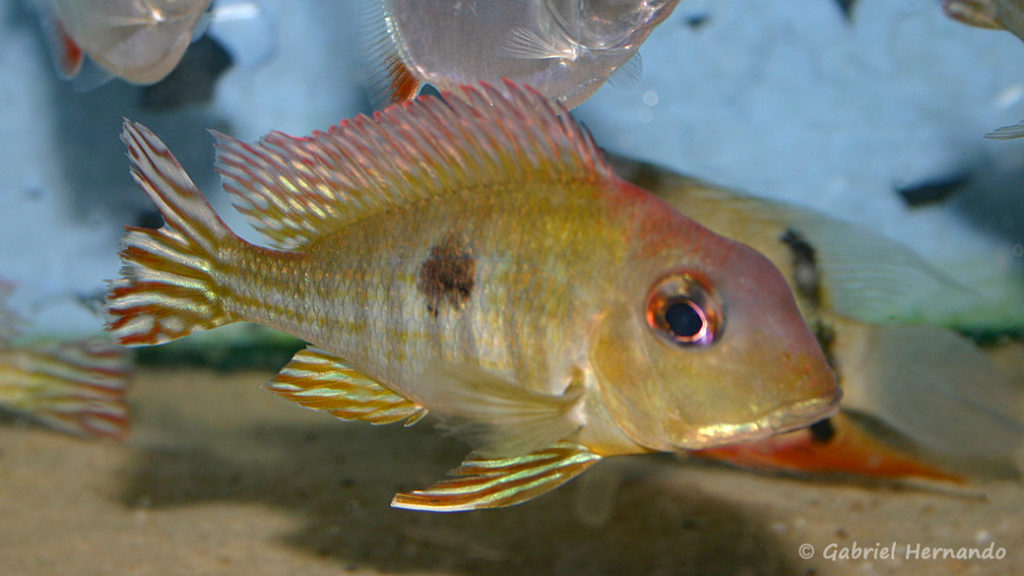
[[566, 49], [140, 41], [918, 400], [77, 387], [477, 259], [998, 15]]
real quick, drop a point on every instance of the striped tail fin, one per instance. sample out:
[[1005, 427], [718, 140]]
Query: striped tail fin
[[167, 288], [76, 387]]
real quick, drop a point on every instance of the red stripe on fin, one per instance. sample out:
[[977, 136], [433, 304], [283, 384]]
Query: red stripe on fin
[[495, 483], [76, 387], [295, 190], [167, 288], [316, 380]]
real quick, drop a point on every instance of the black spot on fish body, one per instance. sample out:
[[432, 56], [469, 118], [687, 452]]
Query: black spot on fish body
[[448, 275], [822, 431], [805, 267]]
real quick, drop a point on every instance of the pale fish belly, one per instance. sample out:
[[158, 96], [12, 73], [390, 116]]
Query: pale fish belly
[[505, 282]]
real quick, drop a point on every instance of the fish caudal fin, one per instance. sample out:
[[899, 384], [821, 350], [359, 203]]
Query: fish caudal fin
[[78, 387], [498, 482], [167, 288]]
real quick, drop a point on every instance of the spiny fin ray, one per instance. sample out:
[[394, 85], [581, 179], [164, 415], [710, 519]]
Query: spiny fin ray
[[166, 289], [295, 190]]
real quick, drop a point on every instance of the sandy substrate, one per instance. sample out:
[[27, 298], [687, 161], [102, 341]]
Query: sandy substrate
[[220, 477]]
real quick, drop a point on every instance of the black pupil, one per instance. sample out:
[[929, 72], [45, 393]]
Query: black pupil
[[684, 319]]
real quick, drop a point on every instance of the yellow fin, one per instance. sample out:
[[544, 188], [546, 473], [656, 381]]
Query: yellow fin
[[498, 418], [295, 190], [494, 483], [75, 387], [316, 380]]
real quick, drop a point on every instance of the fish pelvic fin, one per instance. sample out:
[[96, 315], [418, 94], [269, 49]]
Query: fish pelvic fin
[[167, 288], [486, 138], [481, 483], [496, 417], [76, 387], [317, 380]]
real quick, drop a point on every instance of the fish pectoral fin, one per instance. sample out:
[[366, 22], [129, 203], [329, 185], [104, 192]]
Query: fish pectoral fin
[[497, 417], [319, 381], [498, 482], [530, 45]]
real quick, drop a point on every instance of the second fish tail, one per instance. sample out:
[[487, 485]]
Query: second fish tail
[[168, 287]]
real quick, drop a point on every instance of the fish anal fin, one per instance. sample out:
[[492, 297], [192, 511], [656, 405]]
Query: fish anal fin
[[499, 482], [319, 381]]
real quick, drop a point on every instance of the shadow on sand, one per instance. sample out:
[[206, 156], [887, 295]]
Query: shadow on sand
[[341, 477]]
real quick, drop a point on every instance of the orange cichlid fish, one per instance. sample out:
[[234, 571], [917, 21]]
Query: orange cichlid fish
[[76, 387], [566, 49], [140, 41], [476, 258], [918, 401]]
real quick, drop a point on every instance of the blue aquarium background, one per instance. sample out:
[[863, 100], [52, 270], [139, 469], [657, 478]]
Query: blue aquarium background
[[781, 99]]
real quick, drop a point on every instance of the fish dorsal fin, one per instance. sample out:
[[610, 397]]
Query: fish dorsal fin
[[295, 190], [497, 482], [319, 381]]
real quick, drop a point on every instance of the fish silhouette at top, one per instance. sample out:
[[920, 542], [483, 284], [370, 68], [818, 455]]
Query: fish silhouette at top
[[475, 257], [997, 15], [140, 41], [566, 49]]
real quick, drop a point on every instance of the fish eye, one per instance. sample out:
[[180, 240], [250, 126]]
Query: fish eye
[[684, 311]]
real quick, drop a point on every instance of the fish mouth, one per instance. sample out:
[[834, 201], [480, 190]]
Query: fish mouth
[[783, 418]]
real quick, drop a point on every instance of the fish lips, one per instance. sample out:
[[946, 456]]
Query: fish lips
[[783, 418]]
